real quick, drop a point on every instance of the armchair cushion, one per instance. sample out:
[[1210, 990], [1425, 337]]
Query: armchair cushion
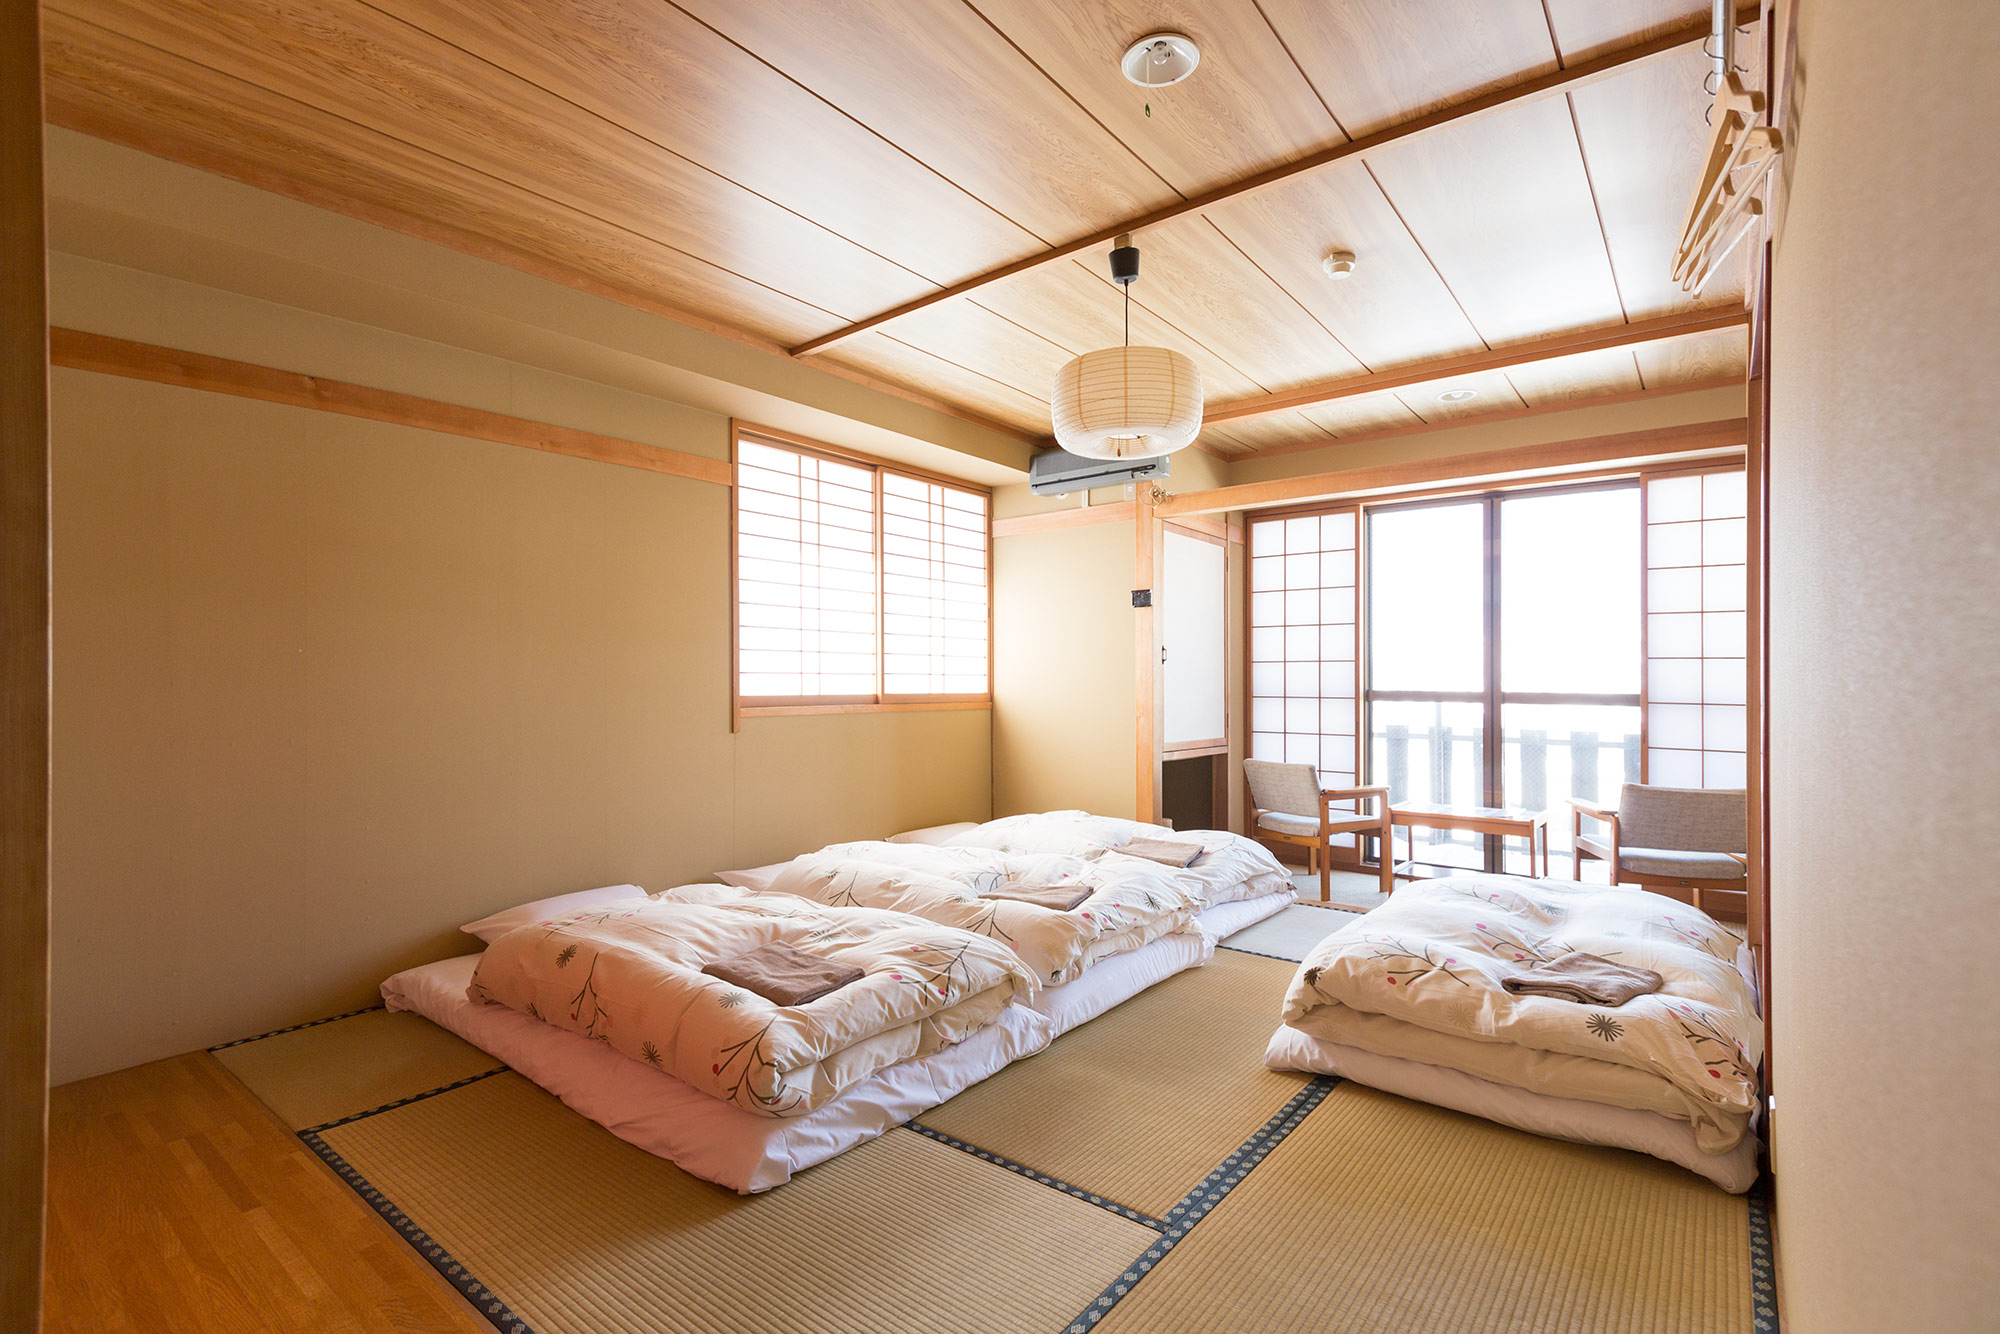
[[1666, 863], [1305, 826], [1291, 788]]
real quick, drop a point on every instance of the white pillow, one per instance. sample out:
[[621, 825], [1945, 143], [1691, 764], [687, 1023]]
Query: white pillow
[[490, 929], [936, 834], [757, 877]]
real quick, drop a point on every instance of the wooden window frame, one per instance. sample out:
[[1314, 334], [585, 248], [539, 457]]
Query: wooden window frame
[[1362, 506], [881, 701]]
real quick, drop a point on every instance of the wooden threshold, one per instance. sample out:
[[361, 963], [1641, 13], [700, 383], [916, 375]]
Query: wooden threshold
[[77, 350]]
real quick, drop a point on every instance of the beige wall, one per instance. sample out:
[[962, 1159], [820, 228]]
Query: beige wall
[[328, 688], [1063, 671], [1885, 574]]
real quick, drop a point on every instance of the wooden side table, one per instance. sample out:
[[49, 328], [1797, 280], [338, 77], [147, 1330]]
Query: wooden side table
[[1506, 821]]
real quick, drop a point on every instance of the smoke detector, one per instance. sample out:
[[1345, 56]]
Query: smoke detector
[[1339, 264], [1458, 395], [1160, 60]]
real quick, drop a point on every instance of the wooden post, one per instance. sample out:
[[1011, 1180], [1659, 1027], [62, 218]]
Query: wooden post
[[1146, 631], [24, 672]]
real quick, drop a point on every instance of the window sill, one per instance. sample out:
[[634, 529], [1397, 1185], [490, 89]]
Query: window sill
[[901, 706]]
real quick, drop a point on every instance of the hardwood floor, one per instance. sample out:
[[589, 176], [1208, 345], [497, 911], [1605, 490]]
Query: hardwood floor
[[177, 1202]]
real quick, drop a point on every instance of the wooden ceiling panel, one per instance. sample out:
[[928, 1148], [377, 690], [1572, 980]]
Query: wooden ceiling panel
[[1503, 208], [654, 70], [1645, 142], [1085, 311], [1492, 392], [1376, 64], [970, 335], [107, 85], [882, 356], [1586, 28], [1193, 276], [1393, 308], [1706, 360], [1246, 108], [1364, 415], [1569, 379], [935, 79], [362, 64], [1261, 435]]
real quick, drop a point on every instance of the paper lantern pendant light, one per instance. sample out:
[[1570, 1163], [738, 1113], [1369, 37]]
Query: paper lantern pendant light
[[1127, 402]]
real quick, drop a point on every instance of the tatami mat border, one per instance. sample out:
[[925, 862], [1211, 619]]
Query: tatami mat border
[[1195, 1205], [1022, 1169], [1763, 1275], [310, 1023], [405, 1102], [1238, 949], [484, 1299]]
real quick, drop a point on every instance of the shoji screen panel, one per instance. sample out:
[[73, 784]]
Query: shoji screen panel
[[1696, 629], [806, 575], [934, 583], [1304, 646]]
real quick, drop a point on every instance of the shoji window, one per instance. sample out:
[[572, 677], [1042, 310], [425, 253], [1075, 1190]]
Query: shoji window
[[933, 588], [1696, 629], [1303, 647], [856, 583]]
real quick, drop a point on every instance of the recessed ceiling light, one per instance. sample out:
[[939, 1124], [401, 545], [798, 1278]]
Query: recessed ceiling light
[[1160, 59], [1457, 395], [1339, 264]]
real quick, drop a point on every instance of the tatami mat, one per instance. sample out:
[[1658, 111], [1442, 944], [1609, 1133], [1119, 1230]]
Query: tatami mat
[[1289, 934], [322, 1072], [1378, 1214], [1140, 1103], [574, 1230]]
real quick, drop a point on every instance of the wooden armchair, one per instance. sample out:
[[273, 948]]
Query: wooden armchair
[[1683, 842], [1289, 806]]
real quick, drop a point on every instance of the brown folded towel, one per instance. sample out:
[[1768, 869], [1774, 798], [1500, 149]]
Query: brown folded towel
[[1585, 979], [1060, 898], [1161, 850], [783, 975]]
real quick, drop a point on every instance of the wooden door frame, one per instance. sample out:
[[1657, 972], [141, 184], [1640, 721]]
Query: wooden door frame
[[24, 671]]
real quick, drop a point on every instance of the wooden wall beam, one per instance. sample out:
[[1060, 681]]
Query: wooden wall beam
[[24, 673], [1049, 521], [77, 350], [1654, 332], [1528, 90], [1667, 442]]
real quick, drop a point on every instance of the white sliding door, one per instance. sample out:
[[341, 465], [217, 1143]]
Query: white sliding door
[[1195, 638]]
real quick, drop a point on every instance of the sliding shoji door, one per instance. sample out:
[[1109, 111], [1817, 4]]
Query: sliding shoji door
[[1696, 629], [1303, 645]]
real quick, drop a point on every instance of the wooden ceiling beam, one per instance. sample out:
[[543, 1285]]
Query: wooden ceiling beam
[[1665, 329], [1528, 90], [1634, 447]]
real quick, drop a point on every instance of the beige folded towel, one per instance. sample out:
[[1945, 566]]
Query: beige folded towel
[[1059, 898], [1586, 979], [1161, 850], [783, 975]]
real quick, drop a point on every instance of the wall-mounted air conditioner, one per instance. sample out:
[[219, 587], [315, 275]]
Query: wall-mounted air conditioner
[[1057, 473]]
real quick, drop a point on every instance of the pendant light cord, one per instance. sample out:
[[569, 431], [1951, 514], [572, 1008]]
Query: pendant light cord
[[1128, 314]]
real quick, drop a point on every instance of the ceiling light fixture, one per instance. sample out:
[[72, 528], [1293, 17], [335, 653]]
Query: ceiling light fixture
[[1160, 59], [1126, 402], [1457, 395], [1338, 265]]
